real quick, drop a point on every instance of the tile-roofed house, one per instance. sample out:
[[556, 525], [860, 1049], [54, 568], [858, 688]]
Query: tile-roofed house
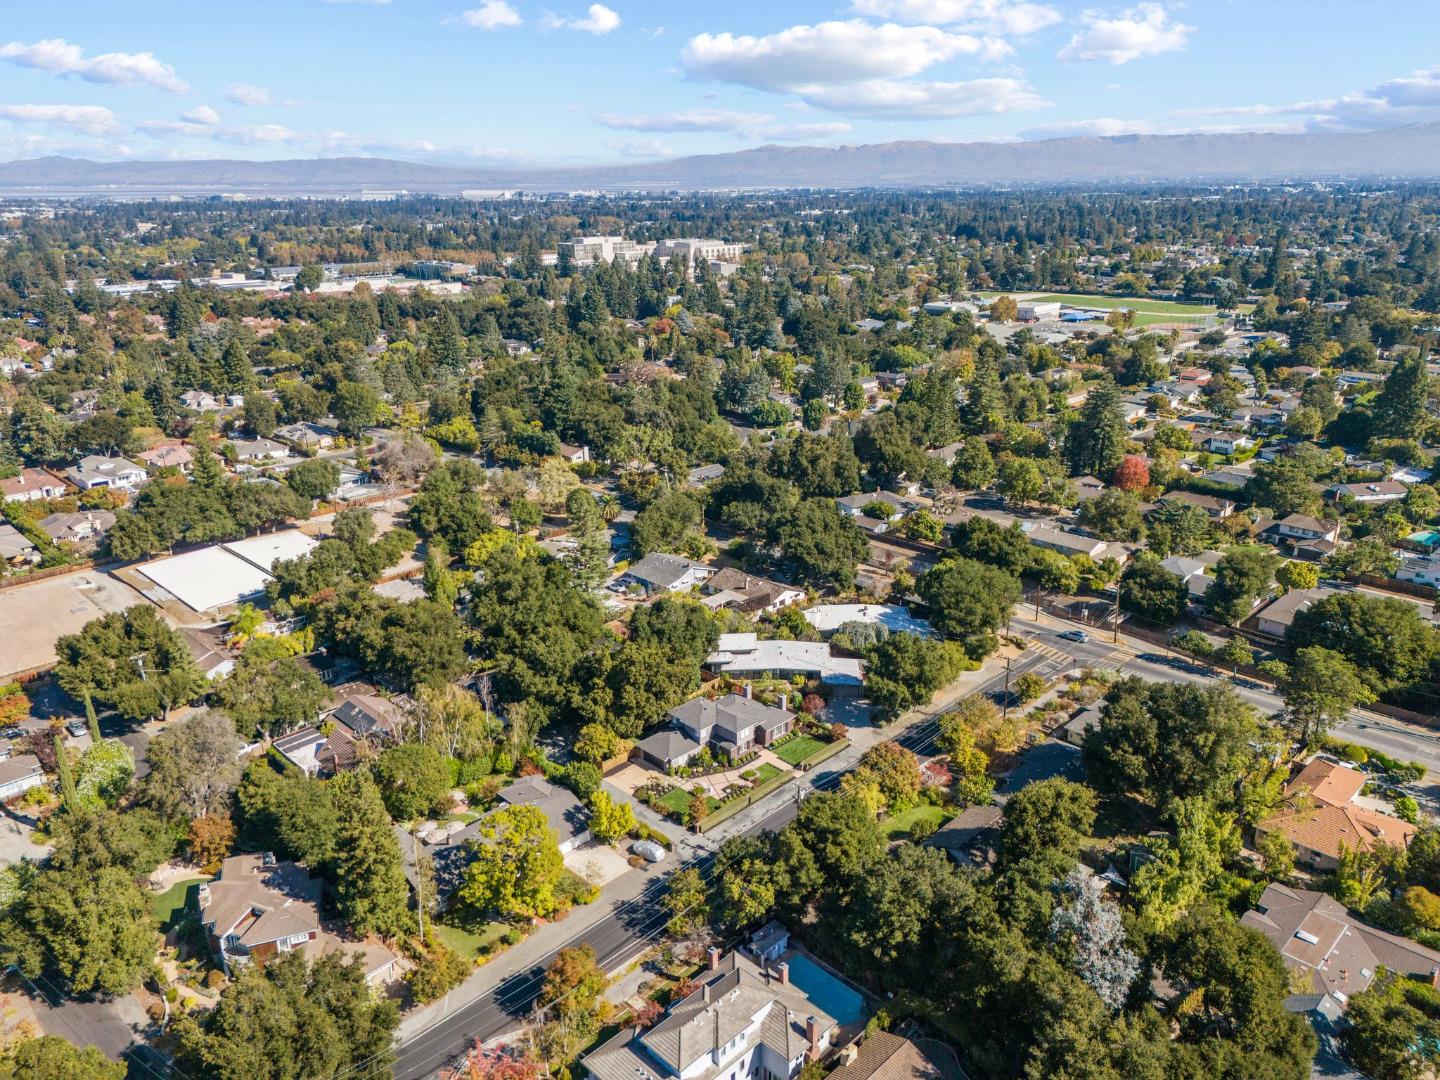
[[887, 1056], [77, 528], [31, 485], [258, 907], [746, 1018], [1321, 818], [733, 588], [1332, 951], [659, 572]]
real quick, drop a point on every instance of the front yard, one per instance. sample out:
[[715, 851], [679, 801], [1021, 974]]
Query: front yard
[[798, 749], [676, 802]]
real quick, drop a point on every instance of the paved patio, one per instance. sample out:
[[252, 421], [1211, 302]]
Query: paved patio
[[634, 775]]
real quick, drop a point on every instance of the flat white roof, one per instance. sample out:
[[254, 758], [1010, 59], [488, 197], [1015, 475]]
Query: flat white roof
[[804, 657], [830, 617], [262, 551], [209, 578]]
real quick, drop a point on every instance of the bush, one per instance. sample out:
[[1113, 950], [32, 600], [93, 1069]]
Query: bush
[[582, 778], [1028, 687], [922, 829]]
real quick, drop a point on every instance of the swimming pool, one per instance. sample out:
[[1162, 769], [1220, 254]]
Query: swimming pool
[[828, 992], [1429, 538]]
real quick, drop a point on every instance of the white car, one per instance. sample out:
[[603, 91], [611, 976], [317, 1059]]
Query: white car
[[648, 850], [1075, 635]]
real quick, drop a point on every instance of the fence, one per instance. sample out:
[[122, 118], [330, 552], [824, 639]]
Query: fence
[[730, 809]]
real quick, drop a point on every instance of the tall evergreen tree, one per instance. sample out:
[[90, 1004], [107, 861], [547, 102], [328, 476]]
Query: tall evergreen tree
[[1400, 410], [370, 881], [1096, 443]]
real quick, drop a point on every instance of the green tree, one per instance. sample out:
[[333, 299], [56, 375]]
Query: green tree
[[1045, 822], [1402, 408], [1242, 576], [687, 900], [665, 523], [1096, 440], [314, 479], [414, 780], [974, 466], [131, 660], [1298, 575], [50, 1057], [824, 545], [1386, 639], [1114, 514], [610, 820], [904, 670], [260, 415], [1386, 1037], [1180, 874], [573, 982], [270, 691], [968, 602], [1151, 591], [309, 277], [516, 865], [895, 771], [356, 407], [370, 886], [1320, 688]]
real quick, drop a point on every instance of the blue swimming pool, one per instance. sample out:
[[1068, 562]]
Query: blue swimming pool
[[828, 992], [1429, 538]]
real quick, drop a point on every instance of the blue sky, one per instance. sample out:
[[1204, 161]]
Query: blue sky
[[568, 82]]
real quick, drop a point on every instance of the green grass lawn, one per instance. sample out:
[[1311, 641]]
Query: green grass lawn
[[1148, 312], [798, 749], [470, 942], [167, 906], [898, 827], [677, 802], [766, 771]]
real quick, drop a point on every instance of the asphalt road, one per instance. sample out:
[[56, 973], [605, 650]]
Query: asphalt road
[[636, 924]]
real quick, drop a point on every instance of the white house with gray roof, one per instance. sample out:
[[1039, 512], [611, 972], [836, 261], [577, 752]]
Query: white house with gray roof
[[733, 724], [657, 573]]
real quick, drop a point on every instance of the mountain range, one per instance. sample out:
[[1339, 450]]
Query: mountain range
[[1403, 152]]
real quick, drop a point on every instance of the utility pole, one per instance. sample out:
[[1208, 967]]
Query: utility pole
[[419, 884], [1006, 714]]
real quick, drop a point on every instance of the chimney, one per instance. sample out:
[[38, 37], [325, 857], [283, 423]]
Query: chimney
[[849, 1054], [812, 1034], [782, 973], [714, 954], [749, 690]]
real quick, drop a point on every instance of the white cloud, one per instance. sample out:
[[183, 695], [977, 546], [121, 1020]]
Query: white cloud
[[1144, 30], [899, 100], [598, 19], [828, 53], [59, 57], [491, 15], [90, 119], [259, 134], [1004, 17], [684, 120], [201, 114], [248, 94], [641, 148], [820, 129], [1408, 99]]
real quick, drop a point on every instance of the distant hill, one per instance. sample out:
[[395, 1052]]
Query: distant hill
[[1412, 152]]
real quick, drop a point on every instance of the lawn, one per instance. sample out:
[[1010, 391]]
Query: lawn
[[1148, 312], [766, 771], [167, 905], [470, 943], [898, 827], [798, 749], [677, 803]]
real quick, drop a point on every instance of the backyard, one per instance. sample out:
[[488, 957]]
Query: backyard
[[167, 906], [898, 827]]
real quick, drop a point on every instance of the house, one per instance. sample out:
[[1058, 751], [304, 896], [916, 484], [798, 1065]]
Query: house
[[199, 401], [946, 454], [575, 455], [1321, 817], [659, 573], [15, 547], [368, 715], [740, 655], [19, 774], [857, 506], [1078, 726], [1332, 954], [828, 618], [732, 588], [564, 813], [733, 725], [1195, 573], [1217, 507], [1420, 570], [1087, 487], [94, 471], [208, 648], [703, 474], [886, 1056], [1222, 442], [869, 326], [1275, 618], [1067, 543], [31, 485], [302, 749], [307, 436], [257, 908], [252, 451], [83, 527], [167, 455], [1375, 491], [1294, 528], [745, 1019], [354, 483], [1134, 410], [972, 838]]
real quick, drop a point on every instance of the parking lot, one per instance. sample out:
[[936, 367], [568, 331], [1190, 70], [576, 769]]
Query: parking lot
[[32, 616]]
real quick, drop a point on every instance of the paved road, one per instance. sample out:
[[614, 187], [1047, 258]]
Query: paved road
[[636, 924]]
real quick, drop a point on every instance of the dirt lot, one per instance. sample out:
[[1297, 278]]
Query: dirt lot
[[33, 616]]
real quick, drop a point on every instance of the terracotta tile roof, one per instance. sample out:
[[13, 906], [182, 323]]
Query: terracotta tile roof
[[1324, 827], [1327, 782]]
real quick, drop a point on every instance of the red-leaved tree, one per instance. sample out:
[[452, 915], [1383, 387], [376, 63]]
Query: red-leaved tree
[[1133, 473]]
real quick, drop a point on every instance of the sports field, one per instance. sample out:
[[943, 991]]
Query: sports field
[[1147, 311]]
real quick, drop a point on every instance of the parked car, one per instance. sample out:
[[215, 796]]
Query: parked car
[[76, 728], [1075, 635], [12, 733], [648, 850]]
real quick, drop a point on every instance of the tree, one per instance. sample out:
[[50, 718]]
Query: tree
[[1046, 821], [1151, 591], [452, 719], [314, 479], [103, 773], [665, 523], [633, 689], [974, 466], [698, 810], [1179, 874], [1277, 855], [598, 742], [824, 545], [516, 865], [1168, 741], [370, 886], [414, 780], [610, 820], [1113, 515], [194, 766], [1133, 473], [1020, 480], [1091, 928], [573, 982], [1178, 529], [131, 660], [1386, 639], [356, 407], [260, 415], [50, 1057], [989, 542], [1386, 1037], [1401, 409], [1004, 309], [923, 525], [270, 691], [1096, 441], [331, 1025], [287, 813], [1242, 576], [904, 670], [968, 601], [309, 277], [688, 902], [137, 840], [677, 623], [211, 839], [895, 771], [93, 925], [1320, 688]]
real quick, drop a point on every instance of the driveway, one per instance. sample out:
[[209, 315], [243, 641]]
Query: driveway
[[15, 841]]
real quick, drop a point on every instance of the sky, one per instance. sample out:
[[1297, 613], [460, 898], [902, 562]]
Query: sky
[[566, 82]]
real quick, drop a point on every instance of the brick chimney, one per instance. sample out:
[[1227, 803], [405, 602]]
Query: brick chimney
[[714, 955], [812, 1034], [782, 973]]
